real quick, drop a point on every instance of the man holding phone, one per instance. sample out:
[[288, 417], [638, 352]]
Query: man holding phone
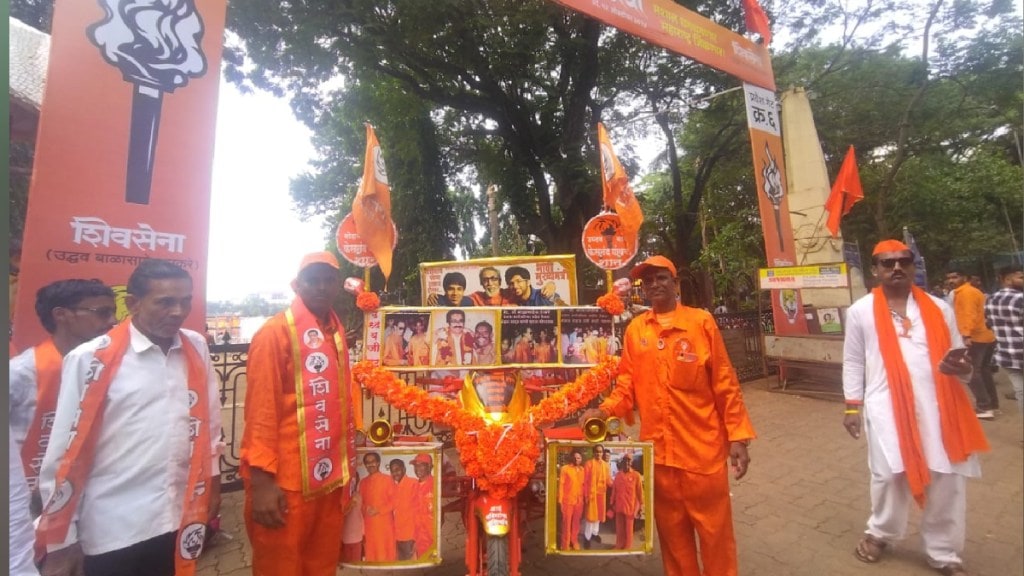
[[902, 356]]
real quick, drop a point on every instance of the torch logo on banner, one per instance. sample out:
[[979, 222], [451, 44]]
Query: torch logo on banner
[[773, 190], [156, 45]]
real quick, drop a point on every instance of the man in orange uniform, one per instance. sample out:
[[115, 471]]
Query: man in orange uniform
[[419, 344], [378, 493], [405, 510], [676, 372], [394, 346], [570, 498], [293, 507], [627, 502], [423, 516], [597, 476]]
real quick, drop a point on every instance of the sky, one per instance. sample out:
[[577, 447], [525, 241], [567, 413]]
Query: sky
[[256, 236]]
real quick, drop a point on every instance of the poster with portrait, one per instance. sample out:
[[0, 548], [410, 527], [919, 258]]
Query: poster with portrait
[[413, 339], [528, 336], [829, 320], [585, 335], [506, 281], [393, 519], [600, 498]]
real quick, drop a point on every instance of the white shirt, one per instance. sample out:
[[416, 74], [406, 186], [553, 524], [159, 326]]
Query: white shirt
[[864, 378], [135, 487], [22, 380], [22, 534]]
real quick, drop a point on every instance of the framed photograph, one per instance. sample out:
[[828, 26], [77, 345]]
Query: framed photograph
[[830, 320], [394, 517], [600, 498], [507, 281], [528, 336], [585, 335]]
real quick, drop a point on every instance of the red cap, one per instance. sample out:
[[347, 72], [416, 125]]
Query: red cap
[[889, 246], [653, 262], [318, 258], [423, 458]]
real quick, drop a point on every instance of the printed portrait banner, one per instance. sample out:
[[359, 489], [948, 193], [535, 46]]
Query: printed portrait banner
[[554, 275], [624, 510], [394, 518], [796, 277], [669, 25], [772, 202], [439, 338], [124, 150]]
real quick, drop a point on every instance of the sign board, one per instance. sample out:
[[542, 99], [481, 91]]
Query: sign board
[[605, 245], [797, 277]]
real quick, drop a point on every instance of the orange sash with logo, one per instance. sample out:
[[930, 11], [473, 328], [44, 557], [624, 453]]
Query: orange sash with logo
[[325, 414], [48, 365], [76, 463], [961, 433]]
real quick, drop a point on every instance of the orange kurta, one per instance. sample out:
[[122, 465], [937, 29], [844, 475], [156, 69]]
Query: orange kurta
[[627, 500], [543, 352], [405, 508], [423, 516], [523, 351], [570, 498], [691, 407], [598, 476], [378, 492], [394, 349], [419, 350], [591, 350], [271, 443]]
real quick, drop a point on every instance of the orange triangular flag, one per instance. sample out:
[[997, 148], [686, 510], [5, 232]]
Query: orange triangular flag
[[618, 195], [372, 207], [846, 192], [757, 20]]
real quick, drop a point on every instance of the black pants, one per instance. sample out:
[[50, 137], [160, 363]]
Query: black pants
[[982, 385], [153, 557]]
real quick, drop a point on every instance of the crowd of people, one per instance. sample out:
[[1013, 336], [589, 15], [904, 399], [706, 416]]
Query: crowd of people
[[117, 424]]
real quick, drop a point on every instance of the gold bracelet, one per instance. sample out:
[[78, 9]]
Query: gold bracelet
[[852, 411]]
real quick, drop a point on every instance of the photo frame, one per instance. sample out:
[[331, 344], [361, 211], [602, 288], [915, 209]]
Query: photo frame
[[629, 529], [830, 320], [424, 338], [551, 279], [393, 520]]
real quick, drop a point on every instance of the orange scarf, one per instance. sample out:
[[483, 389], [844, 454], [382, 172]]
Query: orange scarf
[[48, 364], [76, 463], [961, 432], [327, 419]]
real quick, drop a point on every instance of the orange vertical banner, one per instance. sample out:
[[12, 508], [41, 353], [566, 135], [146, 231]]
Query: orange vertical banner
[[770, 175], [371, 209], [124, 150]]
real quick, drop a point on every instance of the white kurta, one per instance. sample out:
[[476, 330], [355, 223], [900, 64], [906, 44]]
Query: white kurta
[[134, 490], [864, 378]]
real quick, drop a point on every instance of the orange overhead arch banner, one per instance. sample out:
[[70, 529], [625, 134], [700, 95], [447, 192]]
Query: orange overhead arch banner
[[669, 25], [124, 151]]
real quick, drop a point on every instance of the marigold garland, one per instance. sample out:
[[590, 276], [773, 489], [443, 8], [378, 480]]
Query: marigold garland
[[368, 301], [612, 304], [501, 458]]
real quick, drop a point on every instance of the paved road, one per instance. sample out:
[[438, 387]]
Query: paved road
[[799, 511]]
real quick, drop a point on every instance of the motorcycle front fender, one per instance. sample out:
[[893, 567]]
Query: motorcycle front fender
[[495, 514]]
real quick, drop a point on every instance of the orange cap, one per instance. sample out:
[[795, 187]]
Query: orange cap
[[318, 258], [423, 458], [653, 262], [889, 246]]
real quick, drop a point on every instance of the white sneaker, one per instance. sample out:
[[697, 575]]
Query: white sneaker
[[985, 415]]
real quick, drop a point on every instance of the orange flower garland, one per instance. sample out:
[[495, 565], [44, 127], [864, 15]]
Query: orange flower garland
[[368, 301], [501, 458], [611, 303]]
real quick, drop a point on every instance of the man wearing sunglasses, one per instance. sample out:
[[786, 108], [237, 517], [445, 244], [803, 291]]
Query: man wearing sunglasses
[[73, 312], [902, 355]]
